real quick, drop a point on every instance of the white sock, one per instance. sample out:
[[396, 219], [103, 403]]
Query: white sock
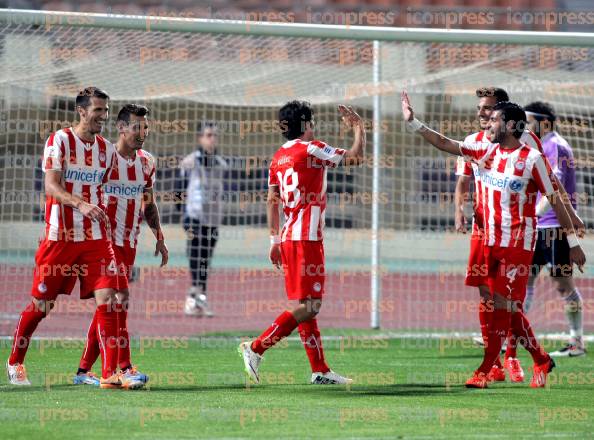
[[574, 314]]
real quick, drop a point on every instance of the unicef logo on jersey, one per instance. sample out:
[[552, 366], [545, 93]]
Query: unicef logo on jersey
[[122, 190], [516, 185], [85, 175]]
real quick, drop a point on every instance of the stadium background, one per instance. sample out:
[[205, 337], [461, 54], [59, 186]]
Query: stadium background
[[189, 78]]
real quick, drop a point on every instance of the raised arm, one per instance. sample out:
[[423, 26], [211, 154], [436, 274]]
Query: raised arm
[[436, 139], [356, 154]]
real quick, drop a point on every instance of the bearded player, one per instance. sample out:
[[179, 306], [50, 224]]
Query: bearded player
[[475, 273], [128, 197], [76, 243], [512, 174], [297, 177]]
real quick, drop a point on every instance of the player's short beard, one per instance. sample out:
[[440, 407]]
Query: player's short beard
[[133, 145], [94, 131], [498, 136]]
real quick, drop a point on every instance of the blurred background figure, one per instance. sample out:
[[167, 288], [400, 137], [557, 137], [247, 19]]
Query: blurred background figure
[[552, 247], [201, 183]]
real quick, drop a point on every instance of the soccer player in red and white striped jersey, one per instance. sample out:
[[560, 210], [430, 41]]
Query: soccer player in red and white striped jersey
[[128, 197], [297, 179], [76, 243], [512, 174], [475, 273]]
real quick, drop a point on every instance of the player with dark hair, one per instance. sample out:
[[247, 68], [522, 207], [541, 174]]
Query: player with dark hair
[[85, 98], [297, 180], [552, 248], [475, 272], [128, 198], [512, 174], [76, 243], [498, 94]]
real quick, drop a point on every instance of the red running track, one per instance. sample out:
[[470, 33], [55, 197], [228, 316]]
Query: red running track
[[249, 301]]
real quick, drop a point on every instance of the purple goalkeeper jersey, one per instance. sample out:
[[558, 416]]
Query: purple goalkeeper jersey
[[560, 156]]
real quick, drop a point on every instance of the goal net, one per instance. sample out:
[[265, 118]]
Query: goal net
[[240, 81]]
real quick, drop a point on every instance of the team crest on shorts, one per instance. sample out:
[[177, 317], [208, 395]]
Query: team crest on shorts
[[317, 287], [42, 287], [520, 165]]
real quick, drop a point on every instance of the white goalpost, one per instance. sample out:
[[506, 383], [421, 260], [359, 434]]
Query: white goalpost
[[393, 260]]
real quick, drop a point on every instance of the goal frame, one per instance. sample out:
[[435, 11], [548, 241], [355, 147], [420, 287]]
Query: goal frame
[[377, 35]]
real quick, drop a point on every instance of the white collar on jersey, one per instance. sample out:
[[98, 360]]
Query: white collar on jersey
[[87, 144], [128, 160]]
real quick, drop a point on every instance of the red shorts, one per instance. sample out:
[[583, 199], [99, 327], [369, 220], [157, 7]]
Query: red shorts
[[476, 271], [303, 265], [58, 264], [124, 256], [508, 271]]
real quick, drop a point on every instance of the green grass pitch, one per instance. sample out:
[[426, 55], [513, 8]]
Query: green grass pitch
[[404, 388]]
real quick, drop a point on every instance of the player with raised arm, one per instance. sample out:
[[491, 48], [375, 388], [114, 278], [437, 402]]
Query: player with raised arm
[[128, 197], [552, 248], [475, 273], [512, 174], [297, 180], [76, 242]]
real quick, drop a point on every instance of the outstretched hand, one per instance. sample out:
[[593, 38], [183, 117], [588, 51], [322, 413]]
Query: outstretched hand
[[349, 116], [407, 110]]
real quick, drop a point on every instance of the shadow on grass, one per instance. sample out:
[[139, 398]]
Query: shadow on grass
[[333, 390], [461, 356], [445, 355], [404, 389], [306, 389]]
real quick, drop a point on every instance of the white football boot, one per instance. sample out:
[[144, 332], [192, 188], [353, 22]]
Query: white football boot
[[329, 378], [17, 374], [251, 361], [570, 350]]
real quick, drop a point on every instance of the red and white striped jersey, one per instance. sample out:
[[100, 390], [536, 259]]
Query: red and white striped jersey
[[467, 168], [123, 192], [510, 181], [83, 166], [299, 169]]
